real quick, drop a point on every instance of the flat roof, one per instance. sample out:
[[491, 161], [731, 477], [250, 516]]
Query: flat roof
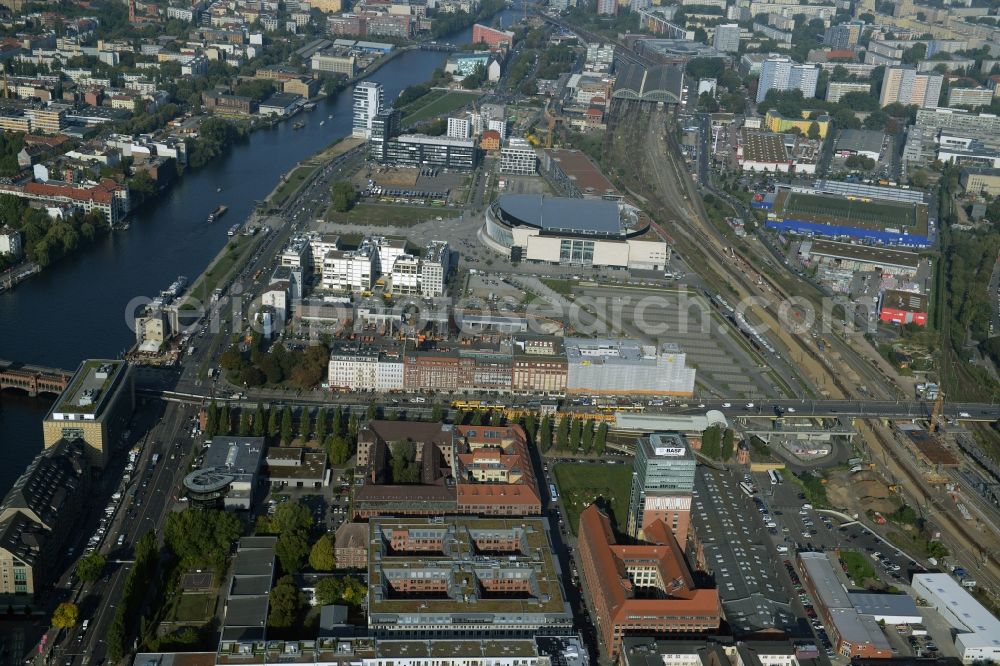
[[236, 455], [746, 575], [867, 141], [89, 389], [764, 147], [962, 611], [904, 300], [876, 255], [898, 605]]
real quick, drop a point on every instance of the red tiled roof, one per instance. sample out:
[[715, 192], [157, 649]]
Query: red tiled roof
[[103, 192]]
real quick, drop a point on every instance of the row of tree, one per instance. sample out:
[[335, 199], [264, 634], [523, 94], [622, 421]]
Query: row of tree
[[718, 443], [300, 368]]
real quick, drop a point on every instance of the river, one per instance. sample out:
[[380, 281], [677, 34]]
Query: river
[[76, 308]]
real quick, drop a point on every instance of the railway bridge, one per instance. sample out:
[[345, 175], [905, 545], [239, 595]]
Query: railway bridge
[[32, 379]]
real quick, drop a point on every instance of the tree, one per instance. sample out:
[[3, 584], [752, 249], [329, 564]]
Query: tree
[[211, 419], [292, 517], [343, 196], [225, 421], [292, 550], [305, 425], [201, 537], [545, 434], [372, 412], [813, 130], [601, 438], [354, 591], [576, 433], [338, 449], [244, 428], [66, 615], [728, 444], [476, 78], [284, 602], [562, 434], [90, 567], [273, 424], [322, 557], [286, 425], [437, 413], [259, 421], [588, 437], [711, 442], [328, 591], [322, 418]]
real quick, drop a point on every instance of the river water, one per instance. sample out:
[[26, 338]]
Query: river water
[[76, 309]]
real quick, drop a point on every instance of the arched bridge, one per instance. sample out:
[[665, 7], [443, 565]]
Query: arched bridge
[[32, 379]]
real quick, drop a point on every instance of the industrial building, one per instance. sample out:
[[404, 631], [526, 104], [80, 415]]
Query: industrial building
[[662, 480], [903, 307], [853, 634], [227, 478], [599, 366], [569, 231], [464, 578], [977, 630], [641, 589], [244, 623], [95, 408]]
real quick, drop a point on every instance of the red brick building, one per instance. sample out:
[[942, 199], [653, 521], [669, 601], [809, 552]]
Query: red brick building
[[619, 578], [492, 37]]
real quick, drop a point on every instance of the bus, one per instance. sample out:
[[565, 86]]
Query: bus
[[777, 475], [746, 488], [553, 493], [771, 474]]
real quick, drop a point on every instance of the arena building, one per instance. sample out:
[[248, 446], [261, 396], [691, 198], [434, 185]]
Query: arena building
[[577, 232]]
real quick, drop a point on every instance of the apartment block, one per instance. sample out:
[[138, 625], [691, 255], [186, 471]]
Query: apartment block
[[518, 157], [905, 86]]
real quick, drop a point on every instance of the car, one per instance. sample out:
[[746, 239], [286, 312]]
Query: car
[[749, 405], [727, 404], [790, 410]]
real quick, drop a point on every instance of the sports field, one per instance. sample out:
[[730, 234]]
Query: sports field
[[860, 213]]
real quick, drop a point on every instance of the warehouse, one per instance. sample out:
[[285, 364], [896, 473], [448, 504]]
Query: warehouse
[[978, 638], [577, 232], [866, 143], [626, 367], [886, 608]]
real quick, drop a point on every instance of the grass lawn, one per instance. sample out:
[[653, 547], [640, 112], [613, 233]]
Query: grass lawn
[[397, 216], [426, 108], [561, 287], [193, 608], [579, 484], [291, 184], [859, 567]]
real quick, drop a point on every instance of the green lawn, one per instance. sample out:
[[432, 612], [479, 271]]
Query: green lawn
[[193, 608], [561, 287], [859, 568], [291, 184], [579, 484], [397, 216], [426, 108]]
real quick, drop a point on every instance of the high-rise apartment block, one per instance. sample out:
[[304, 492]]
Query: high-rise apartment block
[[782, 73], [607, 7], [727, 38], [843, 36], [369, 99], [904, 85], [662, 481]]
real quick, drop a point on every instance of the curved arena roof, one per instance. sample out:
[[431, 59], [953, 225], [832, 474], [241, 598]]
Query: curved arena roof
[[662, 83]]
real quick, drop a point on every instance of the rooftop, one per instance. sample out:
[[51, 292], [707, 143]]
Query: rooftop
[[582, 171], [867, 141], [960, 608], [764, 147], [883, 256], [555, 214], [89, 389]]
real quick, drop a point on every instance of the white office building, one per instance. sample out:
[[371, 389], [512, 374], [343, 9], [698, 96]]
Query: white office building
[[978, 631], [727, 38], [518, 158], [349, 271], [434, 268], [389, 249], [369, 99], [319, 246], [406, 275], [782, 73], [459, 128]]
